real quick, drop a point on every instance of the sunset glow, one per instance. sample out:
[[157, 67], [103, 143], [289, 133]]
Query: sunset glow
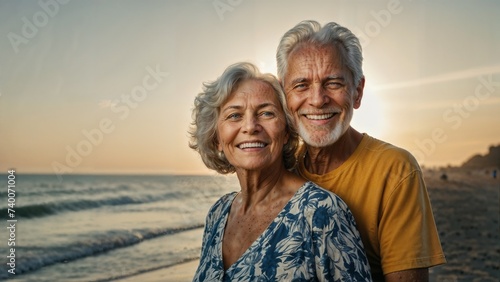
[[108, 86]]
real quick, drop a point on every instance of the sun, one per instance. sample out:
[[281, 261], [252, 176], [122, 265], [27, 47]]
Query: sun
[[370, 116]]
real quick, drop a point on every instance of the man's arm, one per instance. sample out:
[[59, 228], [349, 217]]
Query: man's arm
[[410, 275]]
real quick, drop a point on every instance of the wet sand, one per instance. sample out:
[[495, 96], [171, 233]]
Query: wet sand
[[179, 273]]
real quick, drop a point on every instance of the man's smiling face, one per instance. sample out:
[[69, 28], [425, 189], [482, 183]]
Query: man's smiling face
[[320, 93]]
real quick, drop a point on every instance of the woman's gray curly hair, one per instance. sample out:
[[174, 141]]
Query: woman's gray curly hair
[[203, 130]]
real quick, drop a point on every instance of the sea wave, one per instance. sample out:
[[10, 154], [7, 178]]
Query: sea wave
[[58, 190], [111, 240], [46, 209]]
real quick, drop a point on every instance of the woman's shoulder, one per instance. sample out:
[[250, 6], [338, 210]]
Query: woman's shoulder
[[314, 190], [320, 196], [222, 203]]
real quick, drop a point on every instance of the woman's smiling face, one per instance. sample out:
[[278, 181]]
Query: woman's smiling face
[[251, 128]]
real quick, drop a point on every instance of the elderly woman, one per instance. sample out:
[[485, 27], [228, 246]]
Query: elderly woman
[[278, 227]]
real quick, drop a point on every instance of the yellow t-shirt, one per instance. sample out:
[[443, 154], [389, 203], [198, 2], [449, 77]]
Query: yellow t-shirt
[[384, 188]]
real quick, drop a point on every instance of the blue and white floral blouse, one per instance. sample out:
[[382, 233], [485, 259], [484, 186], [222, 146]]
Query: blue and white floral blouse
[[314, 238]]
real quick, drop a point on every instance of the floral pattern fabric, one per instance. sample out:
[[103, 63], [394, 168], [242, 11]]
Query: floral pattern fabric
[[314, 238]]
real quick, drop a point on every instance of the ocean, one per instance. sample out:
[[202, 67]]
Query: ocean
[[103, 227]]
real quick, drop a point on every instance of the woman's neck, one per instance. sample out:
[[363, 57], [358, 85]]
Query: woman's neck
[[261, 188]]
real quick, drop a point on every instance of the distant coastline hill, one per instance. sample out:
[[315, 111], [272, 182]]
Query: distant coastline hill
[[490, 160]]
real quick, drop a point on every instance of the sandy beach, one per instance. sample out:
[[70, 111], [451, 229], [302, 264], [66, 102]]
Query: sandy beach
[[179, 273], [466, 209]]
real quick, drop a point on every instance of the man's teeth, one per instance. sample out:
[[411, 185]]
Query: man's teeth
[[252, 145], [323, 116]]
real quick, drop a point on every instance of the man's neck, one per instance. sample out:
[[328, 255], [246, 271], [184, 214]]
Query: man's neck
[[324, 159]]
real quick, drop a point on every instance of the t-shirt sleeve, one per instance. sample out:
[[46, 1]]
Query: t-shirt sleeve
[[407, 231]]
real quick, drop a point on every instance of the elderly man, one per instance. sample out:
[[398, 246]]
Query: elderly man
[[320, 69]]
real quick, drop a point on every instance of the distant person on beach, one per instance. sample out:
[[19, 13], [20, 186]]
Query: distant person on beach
[[279, 227], [444, 176], [320, 69]]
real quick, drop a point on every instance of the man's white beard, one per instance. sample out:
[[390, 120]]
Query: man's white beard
[[311, 139]]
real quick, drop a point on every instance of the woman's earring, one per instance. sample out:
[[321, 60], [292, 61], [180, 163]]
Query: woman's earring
[[221, 155]]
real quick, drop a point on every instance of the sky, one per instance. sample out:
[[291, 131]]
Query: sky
[[108, 86]]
